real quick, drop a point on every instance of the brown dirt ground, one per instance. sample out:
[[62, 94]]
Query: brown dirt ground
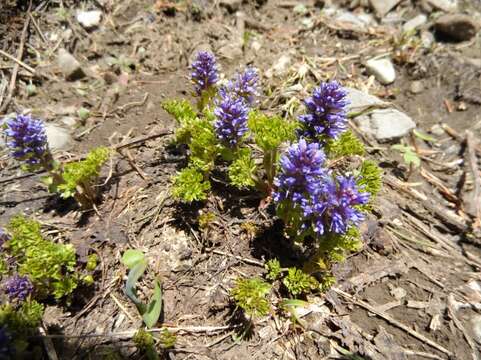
[[416, 264]]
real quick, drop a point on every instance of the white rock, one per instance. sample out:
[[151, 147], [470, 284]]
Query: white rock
[[89, 19], [280, 67], [444, 5], [360, 101], [382, 7], [476, 323], [69, 121], [359, 22], [382, 69], [69, 66], [386, 124], [58, 138], [415, 22]]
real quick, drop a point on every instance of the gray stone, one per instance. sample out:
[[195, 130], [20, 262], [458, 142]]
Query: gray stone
[[444, 5], [415, 23], [359, 22], [360, 101], [382, 69], [58, 137], [69, 66], [382, 7], [231, 5], [89, 19], [437, 130], [427, 39], [386, 124], [456, 27], [476, 324], [416, 87], [69, 122]]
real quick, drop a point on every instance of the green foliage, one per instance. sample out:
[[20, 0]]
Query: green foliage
[[185, 115], [167, 339], [206, 219], [79, 177], [145, 342], [182, 110], [137, 263], [328, 280], [242, 170], [274, 270], [370, 177], [50, 266], [24, 320], [251, 296], [3, 267], [189, 185], [270, 132], [203, 145], [297, 282], [347, 144], [92, 261], [333, 248], [409, 155]]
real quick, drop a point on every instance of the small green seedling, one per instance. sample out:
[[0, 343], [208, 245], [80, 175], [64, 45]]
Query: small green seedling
[[137, 263], [251, 296], [410, 157], [297, 282]]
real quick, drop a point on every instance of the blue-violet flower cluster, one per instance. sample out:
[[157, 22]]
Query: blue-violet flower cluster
[[333, 208], [302, 169], [245, 85], [18, 287], [231, 124], [327, 204], [204, 71], [326, 112], [28, 139]]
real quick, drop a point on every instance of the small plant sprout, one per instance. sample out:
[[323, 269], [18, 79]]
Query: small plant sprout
[[297, 282], [410, 157], [251, 296], [274, 270], [79, 178], [137, 263]]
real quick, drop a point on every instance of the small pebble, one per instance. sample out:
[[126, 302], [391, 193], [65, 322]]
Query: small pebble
[[416, 87]]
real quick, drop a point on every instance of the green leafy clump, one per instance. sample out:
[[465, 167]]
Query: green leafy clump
[[274, 270], [78, 178], [297, 282], [21, 322], [251, 296], [347, 144], [50, 266], [190, 185], [333, 249], [181, 110], [270, 132], [203, 145], [370, 177], [145, 342], [242, 170], [206, 219], [167, 339]]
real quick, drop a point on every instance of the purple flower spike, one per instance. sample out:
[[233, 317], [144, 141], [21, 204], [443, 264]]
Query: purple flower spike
[[231, 124], [326, 111], [246, 84], [301, 172], [18, 287], [28, 139], [334, 207], [204, 71]]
